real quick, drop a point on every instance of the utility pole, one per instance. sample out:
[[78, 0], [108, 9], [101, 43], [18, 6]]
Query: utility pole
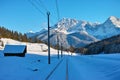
[[58, 45], [48, 15], [61, 50]]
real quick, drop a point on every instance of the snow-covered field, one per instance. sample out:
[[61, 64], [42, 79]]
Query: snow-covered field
[[97, 67], [31, 47], [34, 66], [30, 67]]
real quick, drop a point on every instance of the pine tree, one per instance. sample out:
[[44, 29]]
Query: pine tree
[[6, 33]]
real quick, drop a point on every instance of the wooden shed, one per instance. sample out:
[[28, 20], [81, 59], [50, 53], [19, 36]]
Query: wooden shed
[[15, 50]]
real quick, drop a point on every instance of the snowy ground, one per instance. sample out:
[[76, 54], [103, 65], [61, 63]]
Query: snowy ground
[[95, 67], [99, 67], [30, 67], [34, 66], [31, 47]]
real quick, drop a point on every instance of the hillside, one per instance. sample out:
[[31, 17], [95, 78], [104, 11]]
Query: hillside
[[6, 33], [31, 47], [109, 45]]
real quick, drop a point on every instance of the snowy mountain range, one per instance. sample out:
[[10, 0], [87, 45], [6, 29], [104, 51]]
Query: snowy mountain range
[[78, 33]]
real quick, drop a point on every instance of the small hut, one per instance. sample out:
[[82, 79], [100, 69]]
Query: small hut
[[15, 50]]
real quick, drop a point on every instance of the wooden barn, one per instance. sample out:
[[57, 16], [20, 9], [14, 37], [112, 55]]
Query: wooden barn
[[15, 50]]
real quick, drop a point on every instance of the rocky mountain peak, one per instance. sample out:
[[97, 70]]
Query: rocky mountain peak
[[112, 20]]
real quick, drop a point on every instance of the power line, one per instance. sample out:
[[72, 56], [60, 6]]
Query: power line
[[41, 2], [37, 8], [58, 15], [36, 4]]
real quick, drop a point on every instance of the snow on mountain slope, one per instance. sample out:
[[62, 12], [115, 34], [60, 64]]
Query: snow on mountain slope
[[66, 24], [71, 27], [33, 34], [109, 28], [66, 30], [80, 39], [83, 36], [113, 21]]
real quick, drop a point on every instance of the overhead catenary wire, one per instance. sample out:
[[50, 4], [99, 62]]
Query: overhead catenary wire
[[48, 14], [57, 8], [36, 7], [57, 32], [45, 8], [37, 4], [43, 5], [58, 18]]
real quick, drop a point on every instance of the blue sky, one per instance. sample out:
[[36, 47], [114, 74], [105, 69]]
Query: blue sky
[[22, 16]]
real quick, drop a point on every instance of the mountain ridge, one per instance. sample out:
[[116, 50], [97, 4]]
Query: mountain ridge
[[66, 29]]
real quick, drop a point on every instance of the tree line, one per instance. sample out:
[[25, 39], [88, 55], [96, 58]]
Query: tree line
[[6, 33], [109, 45]]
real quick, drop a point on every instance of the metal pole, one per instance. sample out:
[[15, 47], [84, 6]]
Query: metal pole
[[61, 50], [58, 45], [48, 14]]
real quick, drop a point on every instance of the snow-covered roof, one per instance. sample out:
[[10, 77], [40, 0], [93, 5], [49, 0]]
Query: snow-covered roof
[[14, 48]]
